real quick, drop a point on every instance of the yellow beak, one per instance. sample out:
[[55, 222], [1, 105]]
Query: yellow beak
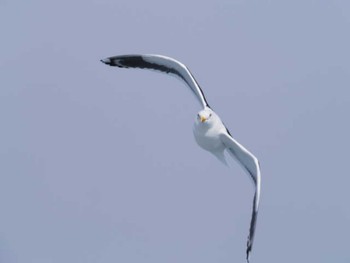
[[203, 119]]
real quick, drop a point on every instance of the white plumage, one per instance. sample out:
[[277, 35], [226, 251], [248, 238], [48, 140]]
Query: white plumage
[[209, 131]]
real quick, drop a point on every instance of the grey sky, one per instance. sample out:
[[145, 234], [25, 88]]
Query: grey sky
[[99, 164]]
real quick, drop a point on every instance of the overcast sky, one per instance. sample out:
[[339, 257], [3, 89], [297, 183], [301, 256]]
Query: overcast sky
[[99, 164]]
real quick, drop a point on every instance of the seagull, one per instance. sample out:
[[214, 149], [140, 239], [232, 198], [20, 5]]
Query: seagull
[[209, 131]]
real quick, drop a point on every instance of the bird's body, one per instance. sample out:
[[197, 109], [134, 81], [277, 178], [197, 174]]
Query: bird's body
[[209, 131], [209, 138]]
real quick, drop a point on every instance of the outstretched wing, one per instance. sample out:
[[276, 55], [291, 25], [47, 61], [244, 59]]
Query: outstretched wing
[[251, 164], [159, 63]]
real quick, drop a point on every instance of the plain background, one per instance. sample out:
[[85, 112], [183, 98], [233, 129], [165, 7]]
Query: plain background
[[99, 164]]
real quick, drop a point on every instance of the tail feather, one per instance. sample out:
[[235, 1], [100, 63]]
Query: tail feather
[[221, 157]]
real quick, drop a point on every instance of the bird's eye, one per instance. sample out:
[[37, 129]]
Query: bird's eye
[[209, 115]]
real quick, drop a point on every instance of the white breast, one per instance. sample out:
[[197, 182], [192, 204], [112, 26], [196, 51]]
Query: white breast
[[207, 134]]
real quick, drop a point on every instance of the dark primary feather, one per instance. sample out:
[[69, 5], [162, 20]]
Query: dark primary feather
[[138, 61]]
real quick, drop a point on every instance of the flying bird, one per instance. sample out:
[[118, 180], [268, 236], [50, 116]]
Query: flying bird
[[209, 131]]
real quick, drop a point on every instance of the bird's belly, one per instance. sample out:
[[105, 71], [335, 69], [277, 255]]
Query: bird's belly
[[209, 141]]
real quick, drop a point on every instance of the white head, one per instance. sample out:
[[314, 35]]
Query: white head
[[206, 117]]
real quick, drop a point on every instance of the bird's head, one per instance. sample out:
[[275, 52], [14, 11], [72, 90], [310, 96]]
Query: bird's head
[[205, 116]]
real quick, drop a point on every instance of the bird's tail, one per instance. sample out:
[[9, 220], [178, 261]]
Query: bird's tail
[[221, 157]]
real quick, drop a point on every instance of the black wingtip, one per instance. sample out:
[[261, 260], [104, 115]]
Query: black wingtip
[[249, 249]]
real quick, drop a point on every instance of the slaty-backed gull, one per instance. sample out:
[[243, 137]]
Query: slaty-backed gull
[[209, 131]]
